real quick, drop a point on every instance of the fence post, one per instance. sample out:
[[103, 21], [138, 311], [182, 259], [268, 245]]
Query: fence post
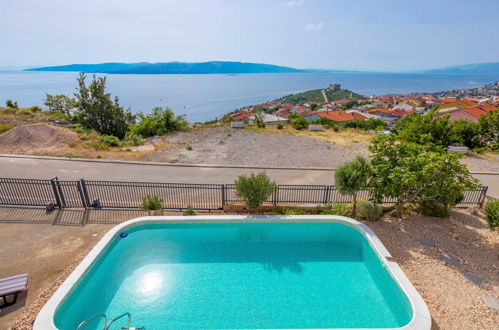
[[85, 192], [222, 186], [482, 196], [56, 193], [79, 185], [327, 192], [275, 197]]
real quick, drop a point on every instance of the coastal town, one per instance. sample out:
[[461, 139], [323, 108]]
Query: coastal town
[[388, 108]]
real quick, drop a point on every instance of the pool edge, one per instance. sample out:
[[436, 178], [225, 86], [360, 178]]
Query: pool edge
[[421, 318]]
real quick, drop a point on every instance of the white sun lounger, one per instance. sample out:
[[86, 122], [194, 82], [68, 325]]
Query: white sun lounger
[[11, 286]]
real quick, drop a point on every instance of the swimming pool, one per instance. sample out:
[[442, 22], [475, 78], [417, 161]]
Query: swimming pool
[[226, 272]]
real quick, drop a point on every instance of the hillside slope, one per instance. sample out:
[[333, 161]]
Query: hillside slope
[[315, 95]]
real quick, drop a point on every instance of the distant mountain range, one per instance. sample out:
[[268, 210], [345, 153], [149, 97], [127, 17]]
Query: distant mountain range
[[476, 68], [224, 67], [174, 68]]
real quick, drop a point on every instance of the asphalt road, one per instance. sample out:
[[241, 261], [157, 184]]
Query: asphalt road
[[12, 167]]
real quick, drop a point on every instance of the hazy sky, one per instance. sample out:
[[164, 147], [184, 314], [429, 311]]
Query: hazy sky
[[348, 34]]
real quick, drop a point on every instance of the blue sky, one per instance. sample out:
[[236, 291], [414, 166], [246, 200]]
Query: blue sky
[[368, 35]]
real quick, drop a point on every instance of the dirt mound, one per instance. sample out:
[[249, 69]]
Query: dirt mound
[[33, 139]]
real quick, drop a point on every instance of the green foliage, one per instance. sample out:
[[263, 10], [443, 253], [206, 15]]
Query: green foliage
[[295, 211], [316, 96], [280, 126], [464, 133], [188, 147], [337, 209], [35, 108], [414, 173], [60, 104], [259, 120], [58, 116], [110, 141], [492, 213], [25, 112], [369, 211], [151, 203], [431, 208], [95, 109], [425, 129], [254, 189], [488, 130], [4, 128], [352, 177], [300, 123], [189, 211], [374, 124], [159, 122], [11, 104]]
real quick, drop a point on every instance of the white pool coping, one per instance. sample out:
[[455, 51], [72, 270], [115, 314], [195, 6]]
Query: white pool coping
[[421, 319]]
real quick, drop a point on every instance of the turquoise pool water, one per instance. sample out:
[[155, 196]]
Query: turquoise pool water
[[239, 275]]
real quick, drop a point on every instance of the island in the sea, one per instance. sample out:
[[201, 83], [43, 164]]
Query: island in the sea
[[220, 67]]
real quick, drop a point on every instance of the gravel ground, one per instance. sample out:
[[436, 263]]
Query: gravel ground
[[222, 145], [244, 147], [454, 302]]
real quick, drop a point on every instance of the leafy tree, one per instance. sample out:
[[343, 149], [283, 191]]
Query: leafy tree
[[95, 109], [415, 173], [254, 189], [159, 122], [366, 124], [60, 103], [350, 178], [299, 123], [425, 129], [489, 130], [11, 104], [464, 132]]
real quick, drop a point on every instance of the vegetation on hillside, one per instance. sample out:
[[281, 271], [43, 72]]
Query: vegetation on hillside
[[427, 129], [315, 95]]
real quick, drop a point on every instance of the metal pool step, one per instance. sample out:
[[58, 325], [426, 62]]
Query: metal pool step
[[107, 326]]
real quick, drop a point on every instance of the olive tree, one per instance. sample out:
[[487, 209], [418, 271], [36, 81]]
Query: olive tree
[[254, 189], [352, 177], [416, 173]]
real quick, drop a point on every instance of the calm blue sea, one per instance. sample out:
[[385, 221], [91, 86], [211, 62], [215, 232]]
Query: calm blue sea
[[206, 97]]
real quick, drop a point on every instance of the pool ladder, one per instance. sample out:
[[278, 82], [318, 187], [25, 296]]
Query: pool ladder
[[107, 326]]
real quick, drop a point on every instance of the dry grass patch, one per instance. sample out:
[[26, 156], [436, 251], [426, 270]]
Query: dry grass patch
[[347, 137]]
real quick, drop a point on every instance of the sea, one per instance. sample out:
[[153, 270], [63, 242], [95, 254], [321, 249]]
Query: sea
[[205, 97]]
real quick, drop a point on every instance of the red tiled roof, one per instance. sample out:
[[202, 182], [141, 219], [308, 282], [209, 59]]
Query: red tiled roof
[[338, 116], [358, 115]]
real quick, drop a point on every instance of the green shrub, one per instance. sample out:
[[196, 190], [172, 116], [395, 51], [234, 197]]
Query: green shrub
[[35, 108], [133, 139], [151, 203], [337, 209], [25, 112], [159, 122], [280, 126], [4, 128], [188, 147], [259, 120], [369, 211], [300, 123], [58, 116], [11, 104], [295, 211], [492, 213], [189, 211], [255, 188], [110, 141], [434, 209], [78, 128]]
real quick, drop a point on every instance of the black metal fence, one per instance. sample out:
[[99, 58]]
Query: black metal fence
[[176, 196]]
